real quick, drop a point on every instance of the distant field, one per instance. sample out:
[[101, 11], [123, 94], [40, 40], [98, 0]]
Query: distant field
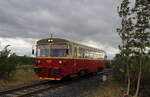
[[20, 77], [25, 66]]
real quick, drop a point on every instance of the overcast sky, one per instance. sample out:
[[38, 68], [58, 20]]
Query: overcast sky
[[91, 22]]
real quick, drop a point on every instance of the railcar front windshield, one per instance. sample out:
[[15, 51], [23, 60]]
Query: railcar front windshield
[[52, 50]]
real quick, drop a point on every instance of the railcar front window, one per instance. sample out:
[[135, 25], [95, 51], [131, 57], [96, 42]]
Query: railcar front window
[[54, 50], [43, 51]]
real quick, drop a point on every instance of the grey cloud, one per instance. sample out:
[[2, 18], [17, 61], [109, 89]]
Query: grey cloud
[[77, 20]]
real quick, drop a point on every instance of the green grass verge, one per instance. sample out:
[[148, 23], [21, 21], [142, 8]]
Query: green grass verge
[[19, 77]]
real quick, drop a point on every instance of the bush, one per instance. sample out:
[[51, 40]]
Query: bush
[[119, 69], [7, 63], [120, 74]]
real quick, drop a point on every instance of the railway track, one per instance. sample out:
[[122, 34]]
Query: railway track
[[38, 88], [14, 91], [31, 89]]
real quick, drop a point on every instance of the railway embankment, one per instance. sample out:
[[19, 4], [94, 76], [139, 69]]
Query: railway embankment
[[89, 86]]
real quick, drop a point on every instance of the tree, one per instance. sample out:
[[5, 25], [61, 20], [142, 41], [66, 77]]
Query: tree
[[141, 11], [125, 33], [135, 35], [7, 63]]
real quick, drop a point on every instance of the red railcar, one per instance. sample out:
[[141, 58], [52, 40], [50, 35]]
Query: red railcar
[[58, 58]]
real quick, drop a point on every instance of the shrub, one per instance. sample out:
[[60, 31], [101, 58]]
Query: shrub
[[120, 74], [7, 63]]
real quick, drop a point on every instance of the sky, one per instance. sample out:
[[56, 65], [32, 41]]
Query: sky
[[90, 22]]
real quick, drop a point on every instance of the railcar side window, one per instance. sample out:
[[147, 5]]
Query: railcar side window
[[91, 54], [86, 54], [70, 49], [81, 52], [59, 50]]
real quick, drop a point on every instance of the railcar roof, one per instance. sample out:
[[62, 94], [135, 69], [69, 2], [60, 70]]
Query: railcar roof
[[45, 41]]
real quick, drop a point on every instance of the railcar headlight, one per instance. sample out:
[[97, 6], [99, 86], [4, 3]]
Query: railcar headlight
[[50, 40], [60, 61], [49, 61], [38, 61]]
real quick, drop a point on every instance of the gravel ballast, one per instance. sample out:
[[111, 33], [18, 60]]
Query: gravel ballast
[[77, 88]]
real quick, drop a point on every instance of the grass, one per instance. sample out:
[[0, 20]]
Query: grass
[[110, 88], [20, 77]]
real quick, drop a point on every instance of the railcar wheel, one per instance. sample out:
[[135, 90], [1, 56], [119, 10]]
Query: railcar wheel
[[82, 73], [94, 73], [99, 69]]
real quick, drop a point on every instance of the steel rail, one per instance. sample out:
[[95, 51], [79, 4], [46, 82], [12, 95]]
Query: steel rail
[[54, 86], [19, 87]]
